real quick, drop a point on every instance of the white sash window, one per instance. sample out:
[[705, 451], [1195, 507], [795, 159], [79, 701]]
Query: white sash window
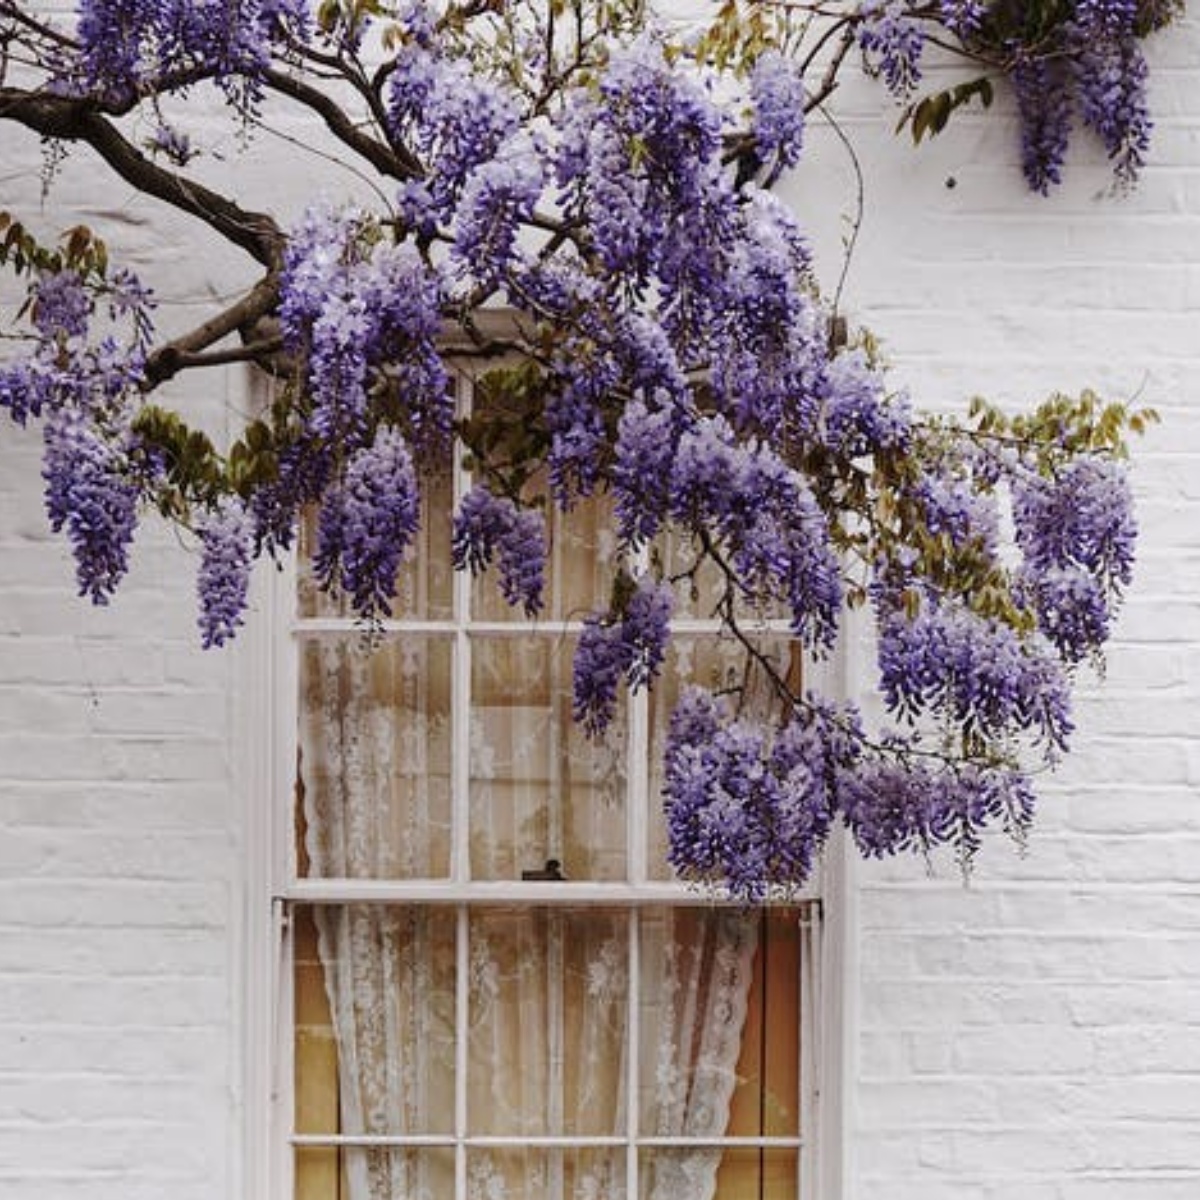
[[493, 987]]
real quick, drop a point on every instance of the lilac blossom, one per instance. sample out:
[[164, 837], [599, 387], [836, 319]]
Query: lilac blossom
[[223, 582], [367, 522]]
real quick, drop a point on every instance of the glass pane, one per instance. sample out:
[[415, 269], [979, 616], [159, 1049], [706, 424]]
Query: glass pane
[[739, 1174], [719, 664], [425, 581], [540, 789], [581, 1173], [548, 1010], [697, 966], [766, 1094], [571, 1174], [339, 1172], [374, 1027], [580, 559], [375, 757]]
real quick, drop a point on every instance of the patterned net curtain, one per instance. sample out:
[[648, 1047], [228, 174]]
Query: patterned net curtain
[[548, 988]]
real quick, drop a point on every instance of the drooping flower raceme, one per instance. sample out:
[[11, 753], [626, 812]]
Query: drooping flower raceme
[[223, 581], [367, 522], [615, 647], [777, 99], [893, 42], [490, 528], [92, 493]]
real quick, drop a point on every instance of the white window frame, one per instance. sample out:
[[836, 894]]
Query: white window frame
[[265, 711]]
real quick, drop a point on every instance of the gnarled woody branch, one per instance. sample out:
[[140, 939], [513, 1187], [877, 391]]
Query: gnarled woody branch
[[70, 119]]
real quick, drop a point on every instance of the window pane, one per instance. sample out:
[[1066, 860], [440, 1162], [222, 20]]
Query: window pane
[[548, 1007], [740, 1174], [425, 582], [580, 558], [375, 758], [374, 1003], [528, 1174], [540, 788], [720, 665], [339, 1172], [719, 1022]]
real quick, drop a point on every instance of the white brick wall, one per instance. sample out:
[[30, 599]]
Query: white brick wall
[[1034, 1037], [1037, 1035]]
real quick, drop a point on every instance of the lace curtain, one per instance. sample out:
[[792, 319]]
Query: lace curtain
[[547, 988]]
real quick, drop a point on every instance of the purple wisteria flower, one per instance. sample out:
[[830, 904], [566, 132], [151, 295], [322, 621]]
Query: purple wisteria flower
[[489, 528], [627, 645], [367, 522], [1073, 609], [746, 809], [766, 518], [1110, 85], [353, 308], [637, 155], [1082, 517], [859, 416], [893, 43], [61, 305], [498, 196], [777, 99], [902, 803], [768, 343], [956, 507], [454, 117], [223, 582], [1106, 18], [641, 474], [1044, 108], [975, 672], [91, 492], [962, 17]]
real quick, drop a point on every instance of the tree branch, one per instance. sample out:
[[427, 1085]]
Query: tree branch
[[241, 317], [70, 119], [396, 163]]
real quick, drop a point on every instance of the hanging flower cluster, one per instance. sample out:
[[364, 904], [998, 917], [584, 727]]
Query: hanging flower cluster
[[610, 189]]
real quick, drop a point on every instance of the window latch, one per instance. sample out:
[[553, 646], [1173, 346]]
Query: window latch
[[550, 873]]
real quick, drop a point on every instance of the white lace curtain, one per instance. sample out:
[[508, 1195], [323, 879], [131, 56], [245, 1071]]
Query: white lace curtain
[[547, 989]]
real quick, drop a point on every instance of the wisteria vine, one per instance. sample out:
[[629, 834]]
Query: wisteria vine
[[664, 344]]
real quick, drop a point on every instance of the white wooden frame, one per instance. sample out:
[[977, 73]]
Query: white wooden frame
[[265, 710]]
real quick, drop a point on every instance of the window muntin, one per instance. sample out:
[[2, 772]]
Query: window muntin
[[439, 775]]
